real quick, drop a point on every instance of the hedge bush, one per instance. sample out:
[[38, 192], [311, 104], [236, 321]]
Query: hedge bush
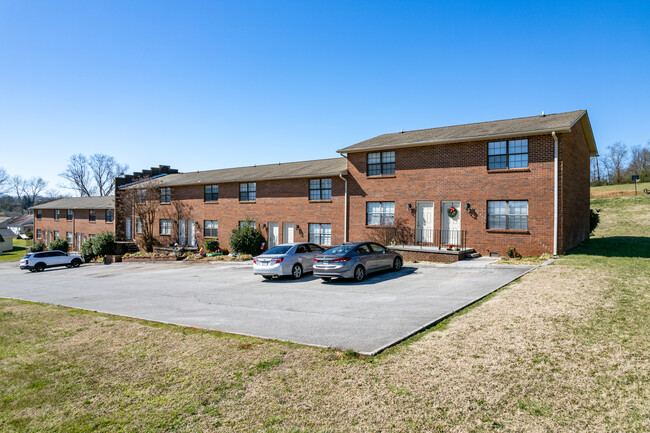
[[247, 240], [59, 244], [37, 247], [87, 250], [211, 245], [594, 219], [103, 244]]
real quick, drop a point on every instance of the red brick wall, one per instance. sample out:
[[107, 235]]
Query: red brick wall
[[574, 199], [81, 224], [459, 172], [277, 201]]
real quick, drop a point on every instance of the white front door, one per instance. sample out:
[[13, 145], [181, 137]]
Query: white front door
[[287, 233], [192, 233], [127, 228], [424, 222], [274, 234], [450, 226], [181, 232]]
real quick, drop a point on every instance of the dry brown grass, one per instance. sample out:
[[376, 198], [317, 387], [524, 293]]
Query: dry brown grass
[[565, 348]]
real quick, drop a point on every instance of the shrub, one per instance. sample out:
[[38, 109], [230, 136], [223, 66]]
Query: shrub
[[594, 219], [513, 253], [87, 250], [211, 245], [103, 244], [30, 235], [59, 244], [38, 246], [247, 240]]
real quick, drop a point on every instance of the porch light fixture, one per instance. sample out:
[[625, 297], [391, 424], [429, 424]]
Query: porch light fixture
[[263, 225], [468, 206], [297, 227], [409, 206]]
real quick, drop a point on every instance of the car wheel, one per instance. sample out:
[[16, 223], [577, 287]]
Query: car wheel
[[32, 270], [40, 267], [76, 263], [296, 271], [359, 273], [397, 264], [267, 277], [326, 279]]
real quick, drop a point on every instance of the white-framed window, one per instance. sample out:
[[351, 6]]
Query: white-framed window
[[320, 234], [380, 213], [69, 215], [507, 214], [68, 236], [508, 154], [165, 195], [92, 215], [210, 228], [320, 189], [247, 191], [39, 233], [381, 163], [39, 214], [243, 224], [211, 193], [109, 216], [56, 214], [138, 225], [165, 227], [56, 234], [90, 236], [142, 196]]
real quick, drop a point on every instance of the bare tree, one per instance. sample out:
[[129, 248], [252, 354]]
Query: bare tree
[[104, 170], [18, 186], [615, 161], [142, 201], [178, 211], [78, 175], [33, 187], [4, 180], [640, 161]]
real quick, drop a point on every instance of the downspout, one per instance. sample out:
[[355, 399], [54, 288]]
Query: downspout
[[74, 231], [555, 193], [345, 212]]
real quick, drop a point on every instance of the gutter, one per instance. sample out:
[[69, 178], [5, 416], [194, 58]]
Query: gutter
[[345, 213], [555, 192]]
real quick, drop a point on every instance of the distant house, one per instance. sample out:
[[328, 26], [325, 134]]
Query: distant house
[[6, 240], [20, 225]]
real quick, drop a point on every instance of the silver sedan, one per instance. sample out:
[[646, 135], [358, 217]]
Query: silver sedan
[[286, 259], [355, 260]]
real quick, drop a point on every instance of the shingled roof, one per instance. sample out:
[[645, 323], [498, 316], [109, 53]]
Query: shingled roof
[[105, 202], [288, 170], [523, 126]]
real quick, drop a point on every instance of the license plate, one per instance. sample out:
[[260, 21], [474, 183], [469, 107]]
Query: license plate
[[326, 262]]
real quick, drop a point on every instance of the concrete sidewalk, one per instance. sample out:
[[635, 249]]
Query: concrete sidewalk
[[366, 317]]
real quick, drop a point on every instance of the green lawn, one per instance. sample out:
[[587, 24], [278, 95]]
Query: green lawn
[[20, 246], [563, 349], [621, 187]]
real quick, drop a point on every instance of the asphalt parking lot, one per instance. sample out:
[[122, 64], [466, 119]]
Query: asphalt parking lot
[[366, 317]]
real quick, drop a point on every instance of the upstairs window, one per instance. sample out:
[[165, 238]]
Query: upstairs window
[[165, 195], [56, 214], [92, 215], [508, 154], [109, 216], [381, 163], [142, 196], [211, 193], [39, 214], [380, 213], [320, 189], [247, 191], [508, 215], [210, 228], [69, 215]]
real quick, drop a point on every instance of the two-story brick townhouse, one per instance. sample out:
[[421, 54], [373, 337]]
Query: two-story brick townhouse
[[288, 202], [517, 183], [76, 219]]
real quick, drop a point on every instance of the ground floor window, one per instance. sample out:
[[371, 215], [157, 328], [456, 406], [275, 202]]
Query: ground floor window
[[320, 234], [68, 236], [242, 224], [90, 236], [56, 234], [165, 227], [210, 228], [380, 213], [39, 233], [507, 214], [138, 225]]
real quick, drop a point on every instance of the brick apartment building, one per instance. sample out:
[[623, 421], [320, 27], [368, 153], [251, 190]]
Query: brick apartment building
[[75, 219], [517, 183]]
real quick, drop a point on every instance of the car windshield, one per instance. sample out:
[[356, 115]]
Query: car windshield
[[339, 249], [281, 249]]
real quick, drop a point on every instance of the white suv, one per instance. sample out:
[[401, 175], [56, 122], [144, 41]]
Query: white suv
[[37, 262]]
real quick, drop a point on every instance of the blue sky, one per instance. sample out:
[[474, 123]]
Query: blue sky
[[204, 85]]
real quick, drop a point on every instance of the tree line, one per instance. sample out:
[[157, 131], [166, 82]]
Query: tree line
[[619, 163], [84, 176]]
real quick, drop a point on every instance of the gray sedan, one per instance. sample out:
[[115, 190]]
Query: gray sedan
[[355, 260], [286, 259]]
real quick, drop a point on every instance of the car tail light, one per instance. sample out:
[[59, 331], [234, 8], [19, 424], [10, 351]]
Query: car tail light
[[255, 260], [342, 259], [315, 260], [277, 260], [26, 262]]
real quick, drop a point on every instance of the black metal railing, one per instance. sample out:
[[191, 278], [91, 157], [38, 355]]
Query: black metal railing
[[422, 237]]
